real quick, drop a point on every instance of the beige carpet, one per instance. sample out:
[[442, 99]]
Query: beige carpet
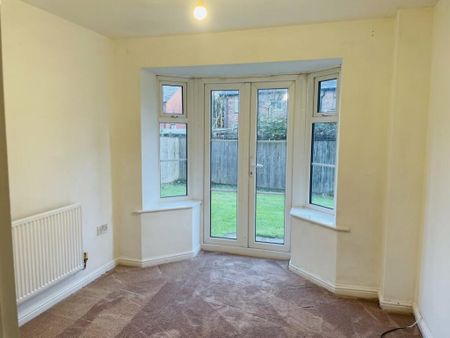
[[212, 295]]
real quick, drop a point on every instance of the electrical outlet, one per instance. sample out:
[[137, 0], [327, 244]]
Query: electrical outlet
[[102, 229]]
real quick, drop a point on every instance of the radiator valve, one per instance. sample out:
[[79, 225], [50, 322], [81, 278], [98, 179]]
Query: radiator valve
[[85, 259]]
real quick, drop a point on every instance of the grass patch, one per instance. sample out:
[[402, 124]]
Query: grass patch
[[173, 189], [269, 215], [323, 201], [270, 210], [223, 212]]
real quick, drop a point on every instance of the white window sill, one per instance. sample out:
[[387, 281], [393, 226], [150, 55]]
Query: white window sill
[[317, 217], [170, 206]]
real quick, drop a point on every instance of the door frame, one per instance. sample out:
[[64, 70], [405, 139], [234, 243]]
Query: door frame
[[246, 86]]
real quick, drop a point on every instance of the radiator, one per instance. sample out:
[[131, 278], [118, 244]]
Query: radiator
[[47, 248]]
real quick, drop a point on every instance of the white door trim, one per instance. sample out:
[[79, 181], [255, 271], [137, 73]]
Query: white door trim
[[290, 85]]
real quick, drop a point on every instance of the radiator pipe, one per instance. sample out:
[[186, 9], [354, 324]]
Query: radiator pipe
[[85, 259]]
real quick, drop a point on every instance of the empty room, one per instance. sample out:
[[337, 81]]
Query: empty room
[[252, 168]]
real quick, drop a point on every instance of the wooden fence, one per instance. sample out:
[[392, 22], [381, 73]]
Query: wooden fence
[[324, 152], [172, 155], [271, 156]]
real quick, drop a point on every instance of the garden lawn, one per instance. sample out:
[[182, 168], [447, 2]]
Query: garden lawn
[[323, 201], [270, 211], [269, 220], [173, 189]]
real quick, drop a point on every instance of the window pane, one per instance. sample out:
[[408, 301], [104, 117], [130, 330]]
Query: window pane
[[323, 164], [271, 146], [173, 159], [327, 96], [172, 99], [224, 163]]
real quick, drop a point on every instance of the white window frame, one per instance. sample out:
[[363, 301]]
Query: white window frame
[[314, 116], [165, 81], [176, 119], [317, 80]]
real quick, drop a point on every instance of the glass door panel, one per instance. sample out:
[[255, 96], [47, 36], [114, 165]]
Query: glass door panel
[[224, 151], [270, 165]]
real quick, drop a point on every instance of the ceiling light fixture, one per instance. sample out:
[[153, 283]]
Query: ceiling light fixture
[[200, 11]]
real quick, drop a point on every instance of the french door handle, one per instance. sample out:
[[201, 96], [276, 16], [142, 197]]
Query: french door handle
[[253, 167]]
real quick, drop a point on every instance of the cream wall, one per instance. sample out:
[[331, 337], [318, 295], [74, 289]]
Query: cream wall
[[8, 314], [366, 48], [434, 293], [406, 156], [58, 94], [170, 233], [314, 252]]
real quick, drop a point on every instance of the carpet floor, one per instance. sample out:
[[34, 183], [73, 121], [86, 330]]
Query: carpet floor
[[212, 295]]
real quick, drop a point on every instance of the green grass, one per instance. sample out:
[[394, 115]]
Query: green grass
[[269, 214], [323, 201], [173, 189], [223, 212], [269, 206]]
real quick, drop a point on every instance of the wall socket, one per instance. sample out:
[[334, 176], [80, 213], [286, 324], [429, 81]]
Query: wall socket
[[102, 229]]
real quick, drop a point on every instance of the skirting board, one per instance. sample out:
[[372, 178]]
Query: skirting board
[[395, 306], [338, 289], [252, 252], [36, 309], [154, 261], [423, 327]]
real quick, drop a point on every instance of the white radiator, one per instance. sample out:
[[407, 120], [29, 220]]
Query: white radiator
[[47, 248]]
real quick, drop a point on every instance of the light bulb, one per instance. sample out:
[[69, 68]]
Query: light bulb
[[200, 11]]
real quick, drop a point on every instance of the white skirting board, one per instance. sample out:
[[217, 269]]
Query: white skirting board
[[424, 329], [393, 305], [336, 288], [154, 261], [29, 312], [366, 292]]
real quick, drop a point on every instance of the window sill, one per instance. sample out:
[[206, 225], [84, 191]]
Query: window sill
[[317, 217], [170, 206]]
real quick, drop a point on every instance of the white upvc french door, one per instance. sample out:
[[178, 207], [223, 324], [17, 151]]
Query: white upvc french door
[[272, 108], [227, 117], [248, 129]]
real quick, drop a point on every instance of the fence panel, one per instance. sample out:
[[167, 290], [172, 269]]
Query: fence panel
[[224, 156], [271, 156], [223, 161], [172, 156], [323, 177]]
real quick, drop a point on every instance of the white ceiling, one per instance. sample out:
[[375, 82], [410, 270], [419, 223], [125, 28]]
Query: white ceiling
[[137, 18]]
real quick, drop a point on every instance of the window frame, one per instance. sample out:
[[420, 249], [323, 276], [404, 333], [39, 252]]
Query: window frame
[[175, 83], [317, 81], [174, 119], [314, 116]]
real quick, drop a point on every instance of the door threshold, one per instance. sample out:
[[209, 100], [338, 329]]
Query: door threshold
[[252, 252]]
